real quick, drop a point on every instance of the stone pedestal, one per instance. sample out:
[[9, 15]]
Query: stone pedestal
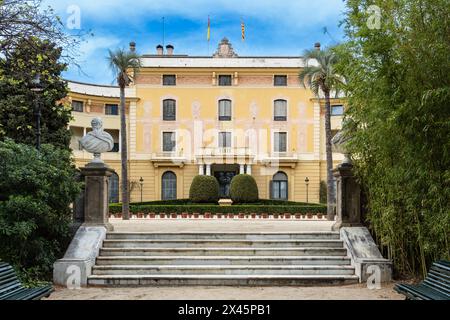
[[96, 211], [348, 207]]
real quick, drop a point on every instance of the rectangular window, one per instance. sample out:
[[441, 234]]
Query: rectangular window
[[169, 142], [169, 110], [280, 110], [225, 80], [111, 109], [169, 80], [280, 80], [280, 141], [225, 110], [337, 110], [224, 139], [77, 106]]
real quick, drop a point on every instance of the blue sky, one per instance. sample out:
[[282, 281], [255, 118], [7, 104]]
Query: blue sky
[[280, 27]]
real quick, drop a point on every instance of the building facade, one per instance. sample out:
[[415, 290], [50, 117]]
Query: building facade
[[221, 116]]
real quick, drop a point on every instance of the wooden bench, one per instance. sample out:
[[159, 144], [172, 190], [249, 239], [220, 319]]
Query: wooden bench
[[436, 285], [12, 289]]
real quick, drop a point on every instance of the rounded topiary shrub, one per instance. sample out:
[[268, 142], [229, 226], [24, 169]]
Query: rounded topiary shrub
[[243, 189], [204, 189]]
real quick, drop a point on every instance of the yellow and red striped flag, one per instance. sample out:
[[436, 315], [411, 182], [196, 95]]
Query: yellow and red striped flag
[[242, 30], [208, 34]]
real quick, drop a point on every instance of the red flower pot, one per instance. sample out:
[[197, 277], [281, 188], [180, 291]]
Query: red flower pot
[[174, 215], [162, 215], [195, 215], [152, 216], [309, 215], [118, 215], [319, 216], [265, 216], [297, 216], [275, 215], [207, 215], [140, 215], [253, 215], [230, 215], [287, 215], [241, 216], [219, 216], [184, 215]]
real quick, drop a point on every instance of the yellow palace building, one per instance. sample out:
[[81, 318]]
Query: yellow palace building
[[218, 115]]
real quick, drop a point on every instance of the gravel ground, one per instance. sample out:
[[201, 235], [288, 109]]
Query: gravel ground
[[349, 292]]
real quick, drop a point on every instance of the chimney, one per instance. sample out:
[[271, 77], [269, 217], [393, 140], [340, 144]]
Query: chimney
[[132, 46], [317, 46], [169, 49], [159, 50]]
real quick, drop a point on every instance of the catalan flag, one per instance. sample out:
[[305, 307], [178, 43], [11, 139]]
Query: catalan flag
[[242, 30], [208, 34]]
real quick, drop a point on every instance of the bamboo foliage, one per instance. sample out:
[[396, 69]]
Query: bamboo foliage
[[398, 89]]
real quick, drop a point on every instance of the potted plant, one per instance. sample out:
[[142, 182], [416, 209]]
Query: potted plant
[[287, 215], [319, 215], [265, 215], [195, 215], [276, 215], [207, 215], [174, 215], [309, 215], [184, 215], [219, 215], [297, 216], [152, 215], [140, 215], [241, 215], [162, 215], [231, 215], [253, 215], [118, 215]]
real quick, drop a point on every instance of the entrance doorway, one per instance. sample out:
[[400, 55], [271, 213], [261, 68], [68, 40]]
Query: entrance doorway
[[224, 173]]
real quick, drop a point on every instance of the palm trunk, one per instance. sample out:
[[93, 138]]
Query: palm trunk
[[124, 156], [330, 182]]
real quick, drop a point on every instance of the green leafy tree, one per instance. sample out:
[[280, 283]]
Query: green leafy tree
[[124, 64], [320, 76], [243, 189], [204, 189], [36, 190], [17, 101], [398, 89]]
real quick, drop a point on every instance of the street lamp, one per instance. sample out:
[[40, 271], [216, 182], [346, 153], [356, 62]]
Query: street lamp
[[141, 182], [36, 87], [306, 182]]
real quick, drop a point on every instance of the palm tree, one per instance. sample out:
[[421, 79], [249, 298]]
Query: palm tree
[[122, 63], [320, 75]]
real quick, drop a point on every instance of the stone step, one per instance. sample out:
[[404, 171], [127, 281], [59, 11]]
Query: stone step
[[221, 260], [228, 280], [192, 243], [223, 251], [223, 270], [222, 235]]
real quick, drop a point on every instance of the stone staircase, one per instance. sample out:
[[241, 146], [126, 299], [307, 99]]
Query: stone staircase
[[219, 258]]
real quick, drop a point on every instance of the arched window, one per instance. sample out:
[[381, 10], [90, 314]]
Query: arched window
[[169, 110], [279, 186], [169, 186], [113, 188], [280, 110], [225, 110]]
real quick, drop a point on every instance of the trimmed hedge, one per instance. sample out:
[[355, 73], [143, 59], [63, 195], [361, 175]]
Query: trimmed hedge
[[258, 209], [204, 189], [243, 189]]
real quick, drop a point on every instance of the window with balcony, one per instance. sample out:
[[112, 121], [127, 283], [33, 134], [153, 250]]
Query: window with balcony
[[169, 142], [224, 139], [280, 110], [111, 109], [77, 106], [225, 110], [280, 142], [169, 110], [224, 80], [280, 80], [169, 80], [337, 110]]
